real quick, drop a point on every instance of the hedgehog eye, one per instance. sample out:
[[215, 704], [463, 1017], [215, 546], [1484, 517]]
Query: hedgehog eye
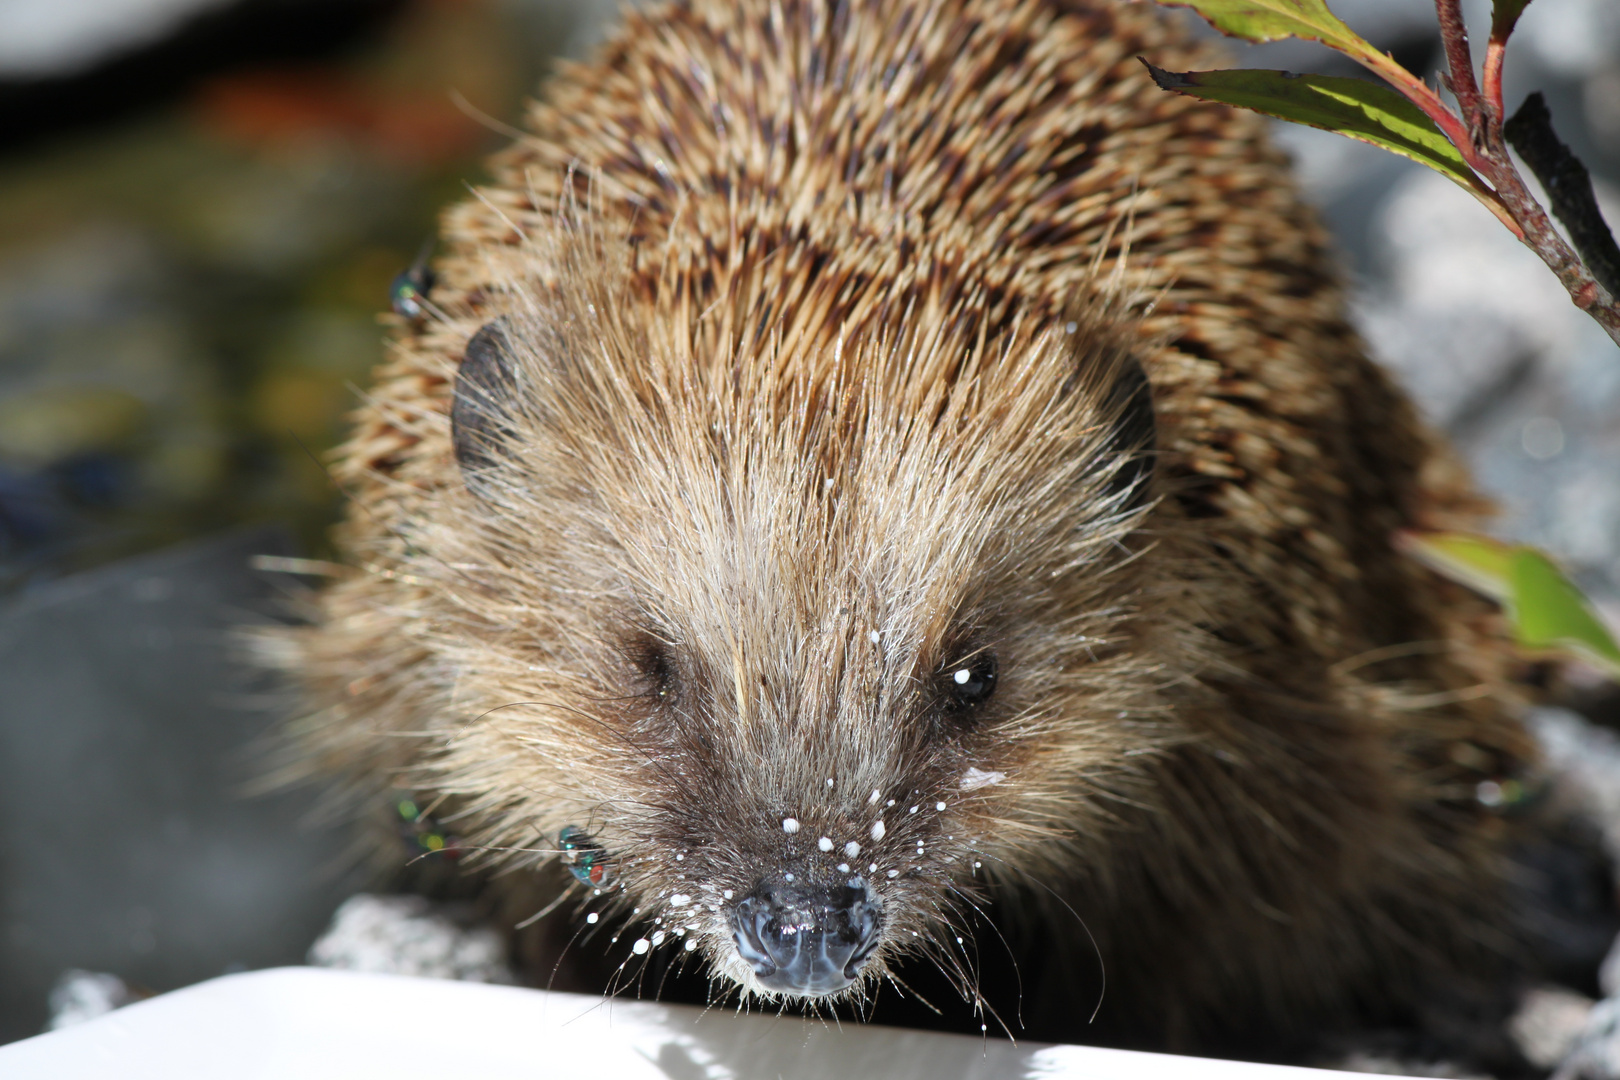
[[970, 683]]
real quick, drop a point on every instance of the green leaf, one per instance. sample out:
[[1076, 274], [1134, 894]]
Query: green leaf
[[1272, 20], [1504, 15], [1482, 564], [1550, 612], [1354, 107], [1545, 608]]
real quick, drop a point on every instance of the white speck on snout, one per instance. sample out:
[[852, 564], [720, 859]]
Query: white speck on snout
[[829, 781], [790, 825], [825, 843], [726, 895], [679, 900], [641, 946], [852, 849], [974, 779], [878, 830], [874, 637], [843, 868]]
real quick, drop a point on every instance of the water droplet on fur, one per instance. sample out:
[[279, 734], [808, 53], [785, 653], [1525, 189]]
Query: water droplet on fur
[[691, 943], [658, 937], [878, 830], [894, 873], [825, 843], [874, 797], [843, 868], [726, 894], [592, 917], [939, 806], [852, 849], [641, 946], [790, 825], [679, 900]]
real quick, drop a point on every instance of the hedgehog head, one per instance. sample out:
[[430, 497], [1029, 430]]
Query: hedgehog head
[[797, 641]]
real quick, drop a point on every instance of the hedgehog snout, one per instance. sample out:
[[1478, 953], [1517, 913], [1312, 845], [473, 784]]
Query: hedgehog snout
[[804, 938]]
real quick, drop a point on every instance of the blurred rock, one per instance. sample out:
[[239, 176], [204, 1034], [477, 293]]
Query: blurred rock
[[1493, 350], [1572, 38], [58, 38], [84, 995], [1596, 1055], [407, 935], [1583, 761], [1548, 1024]]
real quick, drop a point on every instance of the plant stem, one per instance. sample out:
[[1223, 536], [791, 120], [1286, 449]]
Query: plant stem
[[1460, 71], [1495, 52], [1484, 150]]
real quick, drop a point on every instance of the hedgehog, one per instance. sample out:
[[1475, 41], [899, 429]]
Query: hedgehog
[[882, 493]]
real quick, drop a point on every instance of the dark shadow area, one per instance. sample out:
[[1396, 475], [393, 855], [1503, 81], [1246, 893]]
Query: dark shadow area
[[127, 737]]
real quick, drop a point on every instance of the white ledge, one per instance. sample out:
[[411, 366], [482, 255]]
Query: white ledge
[[313, 1024]]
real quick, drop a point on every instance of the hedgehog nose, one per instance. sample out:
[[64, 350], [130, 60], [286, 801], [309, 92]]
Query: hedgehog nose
[[806, 939]]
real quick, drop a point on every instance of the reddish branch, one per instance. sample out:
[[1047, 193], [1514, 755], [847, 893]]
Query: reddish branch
[[1485, 151]]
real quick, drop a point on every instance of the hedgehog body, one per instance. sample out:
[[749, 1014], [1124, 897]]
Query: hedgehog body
[[870, 463]]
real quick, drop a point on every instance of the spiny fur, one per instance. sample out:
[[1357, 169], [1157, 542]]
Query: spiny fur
[[812, 310]]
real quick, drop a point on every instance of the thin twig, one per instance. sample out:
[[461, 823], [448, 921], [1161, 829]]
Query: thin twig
[[1460, 72]]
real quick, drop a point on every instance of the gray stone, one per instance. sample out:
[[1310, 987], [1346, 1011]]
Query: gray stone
[[406, 935]]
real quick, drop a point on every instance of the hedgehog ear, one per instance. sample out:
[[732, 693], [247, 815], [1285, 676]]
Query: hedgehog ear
[[479, 410], [1130, 445]]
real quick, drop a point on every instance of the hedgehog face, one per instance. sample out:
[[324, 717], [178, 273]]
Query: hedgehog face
[[807, 669]]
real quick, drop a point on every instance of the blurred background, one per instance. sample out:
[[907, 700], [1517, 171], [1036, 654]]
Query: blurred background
[[202, 205]]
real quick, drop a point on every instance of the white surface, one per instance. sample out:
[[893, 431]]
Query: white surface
[[311, 1024]]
